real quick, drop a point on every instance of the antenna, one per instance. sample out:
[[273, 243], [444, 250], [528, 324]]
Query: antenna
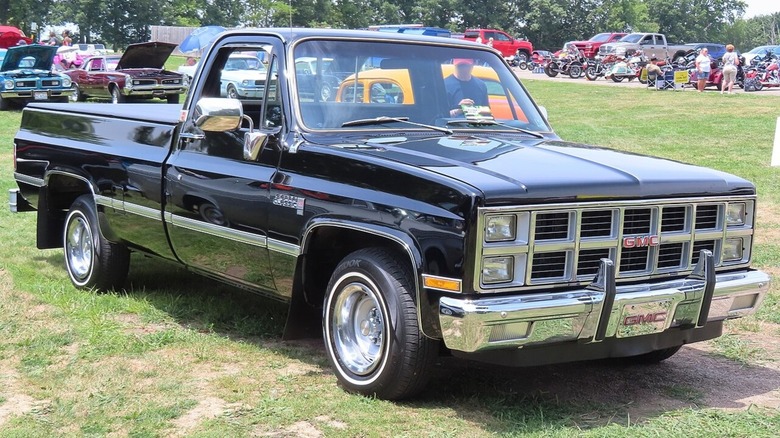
[[289, 2]]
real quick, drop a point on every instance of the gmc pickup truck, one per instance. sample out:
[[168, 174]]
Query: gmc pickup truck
[[399, 221], [652, 45], [509, 47]]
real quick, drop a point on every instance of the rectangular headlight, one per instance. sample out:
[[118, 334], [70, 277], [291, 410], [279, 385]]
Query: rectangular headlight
[[500, 228], [497, 269], [735, 214], [732, 249]]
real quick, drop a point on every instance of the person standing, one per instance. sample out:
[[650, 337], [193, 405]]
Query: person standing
[[730, 63], [702, 68], [66, 39]]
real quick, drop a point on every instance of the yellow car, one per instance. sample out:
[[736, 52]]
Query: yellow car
[[393, 86]]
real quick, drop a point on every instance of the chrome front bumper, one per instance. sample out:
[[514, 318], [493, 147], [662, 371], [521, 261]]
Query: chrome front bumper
[[601, 310]]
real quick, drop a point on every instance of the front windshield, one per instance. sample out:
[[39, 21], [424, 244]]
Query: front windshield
[[632, 38], [346, 84], [601, 38]]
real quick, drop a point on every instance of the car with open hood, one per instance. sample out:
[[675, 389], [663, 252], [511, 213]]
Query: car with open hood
[[26, 75], [136, 74]]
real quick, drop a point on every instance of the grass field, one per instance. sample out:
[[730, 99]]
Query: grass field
[[177, 355]]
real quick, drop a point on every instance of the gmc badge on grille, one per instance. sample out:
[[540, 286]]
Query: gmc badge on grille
[[640, 241]]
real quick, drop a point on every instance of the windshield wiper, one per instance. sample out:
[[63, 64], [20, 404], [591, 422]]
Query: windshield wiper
[[488, 122], [385, 119]]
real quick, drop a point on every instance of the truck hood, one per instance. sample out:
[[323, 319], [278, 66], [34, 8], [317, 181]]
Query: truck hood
[[507, 170], [42, 58], [146, 55]]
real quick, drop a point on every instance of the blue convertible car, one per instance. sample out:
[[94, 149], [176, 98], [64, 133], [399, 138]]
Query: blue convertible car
[[26, 75]]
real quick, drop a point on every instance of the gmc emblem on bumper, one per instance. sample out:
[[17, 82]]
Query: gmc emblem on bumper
[[640, 241], [644, 319]]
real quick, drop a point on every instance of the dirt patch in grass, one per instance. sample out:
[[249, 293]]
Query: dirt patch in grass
[[15, 402]]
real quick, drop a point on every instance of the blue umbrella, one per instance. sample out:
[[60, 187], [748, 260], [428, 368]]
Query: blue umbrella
[[200, 38]]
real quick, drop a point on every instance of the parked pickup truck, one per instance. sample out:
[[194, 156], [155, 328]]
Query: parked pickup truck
[[503, 42], [397, 229], [590, 48], [651, 45]]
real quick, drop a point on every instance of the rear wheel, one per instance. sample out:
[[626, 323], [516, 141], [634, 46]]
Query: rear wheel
[[617, 78], [90, 259], [372, 337]]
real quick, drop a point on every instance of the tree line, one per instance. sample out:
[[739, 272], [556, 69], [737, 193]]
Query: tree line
[[546, 23]]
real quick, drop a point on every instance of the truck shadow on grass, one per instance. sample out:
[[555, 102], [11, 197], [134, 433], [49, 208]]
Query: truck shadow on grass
[[499, 399]]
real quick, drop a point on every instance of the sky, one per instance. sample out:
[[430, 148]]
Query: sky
[[761, 7]]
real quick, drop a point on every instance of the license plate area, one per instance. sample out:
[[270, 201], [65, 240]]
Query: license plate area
[[40, 95], [644, 318]]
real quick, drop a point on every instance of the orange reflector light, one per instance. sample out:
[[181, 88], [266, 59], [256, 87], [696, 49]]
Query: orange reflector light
[[441, 283]]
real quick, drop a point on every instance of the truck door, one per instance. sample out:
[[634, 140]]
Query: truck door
[[217, 202]]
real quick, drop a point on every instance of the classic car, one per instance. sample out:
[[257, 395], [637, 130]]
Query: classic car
[[393, 86], [315, 76], [26, 74], [243, 77], [136, 74], [11, 36]]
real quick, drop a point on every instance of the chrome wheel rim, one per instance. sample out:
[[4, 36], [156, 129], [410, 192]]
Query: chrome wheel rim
[[232, 93], [358, 328], [78, 248], [75, 96]]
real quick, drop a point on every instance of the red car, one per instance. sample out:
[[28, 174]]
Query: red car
[[590, 47], [137, 74], [11, 36], [502, 42]]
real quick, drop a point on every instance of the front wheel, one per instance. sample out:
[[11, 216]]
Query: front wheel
[[549, 71], [372, 337], [117, 96], [575, 71], [590, 74], [617, 78], [172, 98], [90, 259], [521, 57], [232, 93]]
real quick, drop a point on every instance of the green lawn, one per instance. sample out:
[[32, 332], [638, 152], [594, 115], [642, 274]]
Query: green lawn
[[177, 355]]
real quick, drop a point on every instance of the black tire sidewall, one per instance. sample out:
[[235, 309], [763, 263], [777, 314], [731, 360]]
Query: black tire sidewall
[[380, 381]]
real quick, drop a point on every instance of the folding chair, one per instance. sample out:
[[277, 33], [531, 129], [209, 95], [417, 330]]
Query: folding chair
[[665, 81]]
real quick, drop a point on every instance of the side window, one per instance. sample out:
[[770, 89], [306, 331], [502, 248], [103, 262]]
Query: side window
[[502, 37], [648, 39]]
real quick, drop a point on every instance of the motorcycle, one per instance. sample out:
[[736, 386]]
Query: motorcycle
[[627, 69], [569, 61], [596, 68], [764, 75]]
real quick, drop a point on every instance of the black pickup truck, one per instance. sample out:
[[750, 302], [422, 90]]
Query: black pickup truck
[[399, 219]]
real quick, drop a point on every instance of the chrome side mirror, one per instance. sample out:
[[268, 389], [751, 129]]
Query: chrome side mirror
[[254, 142], [214, 114]]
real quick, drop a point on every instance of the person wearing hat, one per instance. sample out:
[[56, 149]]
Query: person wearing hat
[[653, 71], [463, 89]]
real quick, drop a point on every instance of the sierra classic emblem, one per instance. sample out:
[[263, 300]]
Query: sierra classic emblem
[[640, 241]]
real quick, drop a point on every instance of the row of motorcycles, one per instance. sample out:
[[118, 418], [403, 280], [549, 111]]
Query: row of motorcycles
[[762, 71]]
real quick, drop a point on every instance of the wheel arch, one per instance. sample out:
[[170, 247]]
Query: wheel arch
[[324, 244], [58, 192]]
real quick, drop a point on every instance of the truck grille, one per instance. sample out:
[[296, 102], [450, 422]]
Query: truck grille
[[562, 244]]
